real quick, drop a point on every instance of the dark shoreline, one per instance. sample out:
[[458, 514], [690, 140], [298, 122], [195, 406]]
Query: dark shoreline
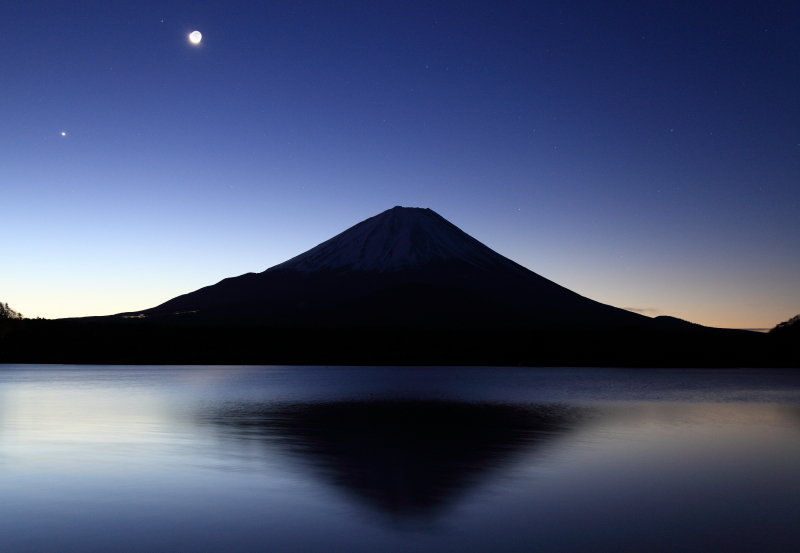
[[70, 342]]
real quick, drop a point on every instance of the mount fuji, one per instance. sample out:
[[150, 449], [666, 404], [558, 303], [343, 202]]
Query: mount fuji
[[405, 268]]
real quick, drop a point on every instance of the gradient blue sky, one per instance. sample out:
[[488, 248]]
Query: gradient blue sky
[[646, 156]]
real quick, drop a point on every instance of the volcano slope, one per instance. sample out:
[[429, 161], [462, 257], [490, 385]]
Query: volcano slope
[[403, 268]]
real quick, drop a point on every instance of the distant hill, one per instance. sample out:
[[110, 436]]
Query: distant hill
[[406, 267]]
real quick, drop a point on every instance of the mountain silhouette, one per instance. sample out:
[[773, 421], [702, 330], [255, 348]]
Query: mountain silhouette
[[410, 460], [406, 267]]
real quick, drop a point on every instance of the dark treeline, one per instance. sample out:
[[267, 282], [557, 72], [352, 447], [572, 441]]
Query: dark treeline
[[70, 342]]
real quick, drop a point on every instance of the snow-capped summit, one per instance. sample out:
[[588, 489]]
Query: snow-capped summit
[[395, 239]]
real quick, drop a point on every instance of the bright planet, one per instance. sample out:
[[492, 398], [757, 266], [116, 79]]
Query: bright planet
[[195, 37]]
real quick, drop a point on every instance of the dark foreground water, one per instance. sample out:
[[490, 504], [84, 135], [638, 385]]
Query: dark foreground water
[[398, 459]]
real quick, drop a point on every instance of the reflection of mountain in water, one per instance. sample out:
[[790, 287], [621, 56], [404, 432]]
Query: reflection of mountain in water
[[408, 459]]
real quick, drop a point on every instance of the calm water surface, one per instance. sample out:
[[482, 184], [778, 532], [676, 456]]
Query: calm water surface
[[397, 459]]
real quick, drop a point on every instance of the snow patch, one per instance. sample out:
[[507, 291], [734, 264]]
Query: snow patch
[[398, 238]]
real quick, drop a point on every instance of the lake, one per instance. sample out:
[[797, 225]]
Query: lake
[[398, 459]]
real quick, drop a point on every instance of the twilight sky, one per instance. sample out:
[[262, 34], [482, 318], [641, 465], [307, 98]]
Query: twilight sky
[[643, 155]]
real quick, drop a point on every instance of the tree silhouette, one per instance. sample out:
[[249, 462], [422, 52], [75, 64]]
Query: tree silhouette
[[7, 316], [790, 326], [7, 313]]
